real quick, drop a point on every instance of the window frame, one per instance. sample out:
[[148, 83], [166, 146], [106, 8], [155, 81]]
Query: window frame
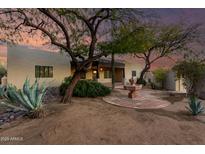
[[107, 74], [43, 71], [135, 73]]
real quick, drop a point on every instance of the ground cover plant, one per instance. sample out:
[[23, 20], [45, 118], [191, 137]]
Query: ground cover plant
[[85, 88]]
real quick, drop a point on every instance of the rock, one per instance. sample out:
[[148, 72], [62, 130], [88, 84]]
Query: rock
[[15, 111], [9, 116], [52, 93], [7, 120], [12, 117], [9, 110], [20, 114], [1, 122]]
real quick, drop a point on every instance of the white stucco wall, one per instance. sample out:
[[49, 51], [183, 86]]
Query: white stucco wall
[[170, 81], [129, 67], [21, 63]]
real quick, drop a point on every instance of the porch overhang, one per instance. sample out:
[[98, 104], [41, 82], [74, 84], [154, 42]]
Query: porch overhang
[[106, 63]]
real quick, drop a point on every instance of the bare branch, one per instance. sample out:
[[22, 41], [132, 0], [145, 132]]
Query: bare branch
[[59, 23], [137, 55]]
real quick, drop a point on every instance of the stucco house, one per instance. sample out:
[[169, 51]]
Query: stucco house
[[52, 67], [174, 84]]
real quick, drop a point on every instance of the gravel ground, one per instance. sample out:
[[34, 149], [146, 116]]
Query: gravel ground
[[92, 121]]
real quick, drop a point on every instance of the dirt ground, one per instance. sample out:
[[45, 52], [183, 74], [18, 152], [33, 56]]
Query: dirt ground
[[92, 121]]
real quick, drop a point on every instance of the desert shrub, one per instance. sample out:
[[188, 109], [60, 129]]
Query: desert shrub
[[191, 71], [195, 106], [160, 76], [28, 99], [85, 88]]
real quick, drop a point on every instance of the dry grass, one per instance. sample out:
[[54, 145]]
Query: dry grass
[[92, 121]]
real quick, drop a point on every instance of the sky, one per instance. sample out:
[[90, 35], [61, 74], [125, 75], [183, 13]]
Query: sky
[[166, 15], [177, 15]]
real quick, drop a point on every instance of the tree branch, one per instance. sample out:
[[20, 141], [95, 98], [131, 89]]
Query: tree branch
[[60, 24], [136, 55]]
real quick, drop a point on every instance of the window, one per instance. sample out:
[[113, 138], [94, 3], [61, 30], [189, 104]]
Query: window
[[133, 73], [107, 74], [43, 71]]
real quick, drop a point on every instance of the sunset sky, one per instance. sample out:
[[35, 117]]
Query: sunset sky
[[167, 16]]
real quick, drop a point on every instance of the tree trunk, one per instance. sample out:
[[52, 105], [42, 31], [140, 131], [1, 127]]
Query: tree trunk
[[69, 92], [113, 70], [145, 69]]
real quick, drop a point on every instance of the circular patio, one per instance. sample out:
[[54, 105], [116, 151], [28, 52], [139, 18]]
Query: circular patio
[[144, 100]]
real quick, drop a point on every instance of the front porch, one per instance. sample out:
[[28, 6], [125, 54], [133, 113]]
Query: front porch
[[101, 71]]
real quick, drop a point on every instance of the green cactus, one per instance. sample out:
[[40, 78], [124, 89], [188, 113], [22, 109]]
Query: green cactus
[[28, 99], [195, 106]]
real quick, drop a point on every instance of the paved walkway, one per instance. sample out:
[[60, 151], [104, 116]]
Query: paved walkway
[[146, 100]]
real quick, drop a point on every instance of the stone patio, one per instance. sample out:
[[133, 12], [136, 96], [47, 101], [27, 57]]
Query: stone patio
[[145, 100]]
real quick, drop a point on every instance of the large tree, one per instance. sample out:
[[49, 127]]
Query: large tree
[[75, 31], [151, 42], [121, 44]]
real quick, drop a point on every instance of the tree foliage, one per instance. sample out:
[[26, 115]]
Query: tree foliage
[[123, 41], [151, 42], [75, 31], [191, 72]]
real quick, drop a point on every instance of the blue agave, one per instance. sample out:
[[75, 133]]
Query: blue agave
[[2, 91], [195, 106], [28, 99]]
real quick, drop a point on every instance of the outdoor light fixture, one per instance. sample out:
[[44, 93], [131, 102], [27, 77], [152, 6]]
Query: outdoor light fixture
[[101, 69], [94, 71]]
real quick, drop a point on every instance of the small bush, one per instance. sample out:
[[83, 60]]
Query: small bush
[[160, 76], [195, 106], [85, 88]]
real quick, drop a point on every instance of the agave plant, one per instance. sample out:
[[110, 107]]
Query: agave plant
[[28, 99], [195, 106], [2, 91]]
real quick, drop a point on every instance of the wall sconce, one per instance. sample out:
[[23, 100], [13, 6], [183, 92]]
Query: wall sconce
[[101, 69], [94, 71]]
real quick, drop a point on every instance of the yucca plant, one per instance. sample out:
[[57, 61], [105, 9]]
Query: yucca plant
[[29, 99], [195, 106]]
